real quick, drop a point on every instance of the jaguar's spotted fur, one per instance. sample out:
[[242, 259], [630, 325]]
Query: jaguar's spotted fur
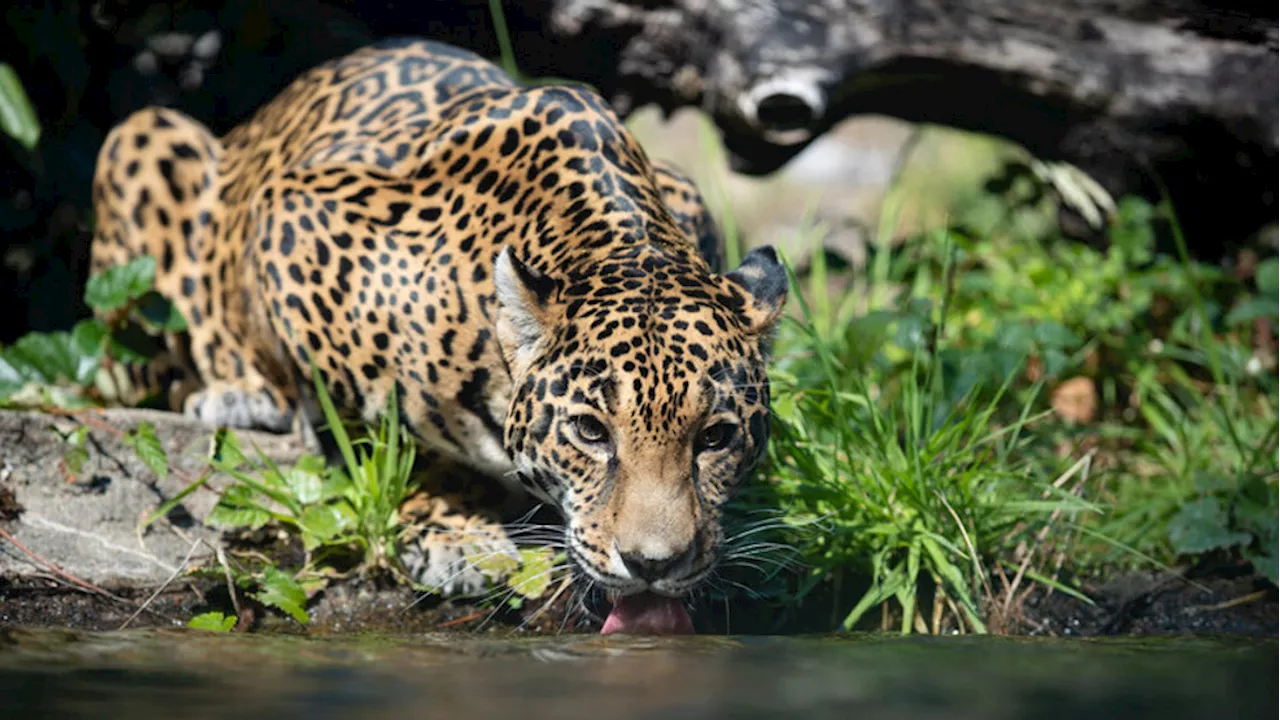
[[506, 259]]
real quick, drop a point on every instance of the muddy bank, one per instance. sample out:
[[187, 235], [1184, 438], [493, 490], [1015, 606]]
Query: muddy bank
[[38, 602], [1222, 598], [1133, 604]]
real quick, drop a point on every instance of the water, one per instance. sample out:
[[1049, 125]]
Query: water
[[171, 674]]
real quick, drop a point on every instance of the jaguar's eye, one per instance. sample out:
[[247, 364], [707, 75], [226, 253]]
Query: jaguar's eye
[[716, 437], [590, 429]]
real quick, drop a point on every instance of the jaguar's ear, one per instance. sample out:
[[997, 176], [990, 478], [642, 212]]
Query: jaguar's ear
[[525, 313], [764, 279]]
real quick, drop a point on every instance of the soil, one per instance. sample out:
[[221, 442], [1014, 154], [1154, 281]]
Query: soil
[[41, 603], [1226, 600], [10, 508], [348, 607], [48, 603], [1223, 599]]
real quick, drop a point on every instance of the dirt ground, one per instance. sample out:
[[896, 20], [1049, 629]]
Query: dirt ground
[[1225, 601], [48, 603]]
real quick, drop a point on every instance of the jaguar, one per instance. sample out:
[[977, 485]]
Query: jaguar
[[546, 303]]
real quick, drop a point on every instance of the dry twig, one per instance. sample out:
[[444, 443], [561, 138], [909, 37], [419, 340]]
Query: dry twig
[[59, 572]]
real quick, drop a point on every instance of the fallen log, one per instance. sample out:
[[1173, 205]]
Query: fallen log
[[1142, 95]]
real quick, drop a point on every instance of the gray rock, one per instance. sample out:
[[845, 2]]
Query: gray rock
[[87, 524]]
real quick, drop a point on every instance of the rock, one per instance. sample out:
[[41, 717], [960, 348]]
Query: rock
[[86, 523]]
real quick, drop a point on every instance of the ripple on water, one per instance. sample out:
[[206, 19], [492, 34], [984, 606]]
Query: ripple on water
[[191, 674]]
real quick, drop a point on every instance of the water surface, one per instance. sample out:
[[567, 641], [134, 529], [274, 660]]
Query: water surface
[[189, 674]]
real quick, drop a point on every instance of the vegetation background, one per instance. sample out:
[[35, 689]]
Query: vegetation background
[[996, 385]]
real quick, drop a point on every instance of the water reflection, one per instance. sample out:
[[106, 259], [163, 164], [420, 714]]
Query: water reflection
[[197, 675]]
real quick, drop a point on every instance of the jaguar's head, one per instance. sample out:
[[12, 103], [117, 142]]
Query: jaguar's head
[[640, 404]]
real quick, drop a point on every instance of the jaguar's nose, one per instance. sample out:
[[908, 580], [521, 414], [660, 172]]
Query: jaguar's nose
[[651, 569]]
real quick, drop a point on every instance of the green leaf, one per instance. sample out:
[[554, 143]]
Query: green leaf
[[867, 334], [1202, 525], [912, 332], [495, 565], [336, 485], [322, 524], [226, 450], [1054, 361], [1207, 482], [229, 515], [954, 580], [240, 506], [78, 436], [313, 464], [1256, 509], [75, 458], [1053, 334], [88, 338], [160, 313], [115, 287], [1266, 563], [49, 357], [1268, 277], [534, 576], [17, 118], [13, 376], [305, 486], [144, 442], [1018, 337], [280, 590], [132, 344], [887, 585], [334, 423], [1252, 309], [213, 622], [267, 485]]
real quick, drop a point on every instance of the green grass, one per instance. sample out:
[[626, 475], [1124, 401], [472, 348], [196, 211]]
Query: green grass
[[914, 428], [1202, 478], [346, 517], [347, 513], [923, 492]]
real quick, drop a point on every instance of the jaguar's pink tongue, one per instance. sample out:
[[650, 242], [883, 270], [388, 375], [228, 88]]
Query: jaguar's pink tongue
[[647, 613]]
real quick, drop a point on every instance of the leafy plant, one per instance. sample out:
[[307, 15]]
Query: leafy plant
[[279, 589], [75, 455], [143, 441], [1063, 300], [332, 510], [257, 578], [1264, 304], [213, 622], [66, 369], [17, 118], [343, 516], [527, 576], [1205, 478], [43, 369]]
